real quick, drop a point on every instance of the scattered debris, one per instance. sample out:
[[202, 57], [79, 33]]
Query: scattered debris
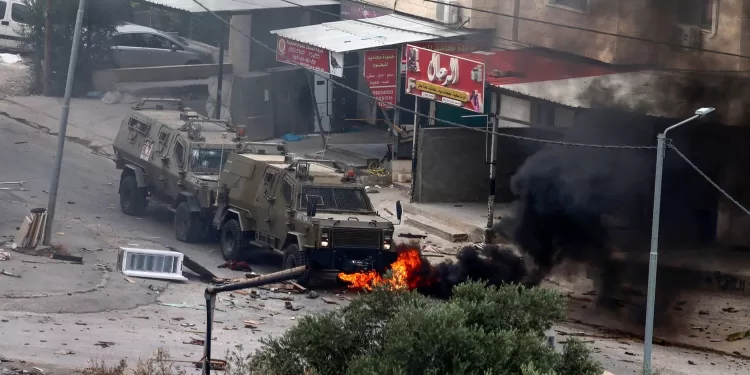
[[141, 317], [329, 301], [313, 294], [411, 236], [237, 266], [199, 270], [730, 309], [691, 363], [31, 230], [104, 344], [289, 306], [251, 324], [198, 342], [68, 258], [251, 275], [21, 142], [130, 280], [187, 324], [214, 364], [64, 352], [297, 287], [6, 273], [738, 336], [81, 324], [4, 255]]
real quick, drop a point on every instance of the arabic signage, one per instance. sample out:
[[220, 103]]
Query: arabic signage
[[310, 57], [453, 47], [352, 10], [445, 78], [380, 70]]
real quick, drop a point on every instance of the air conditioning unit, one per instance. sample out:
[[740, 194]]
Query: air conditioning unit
[[148, 263], [447, 12], [689, 36]]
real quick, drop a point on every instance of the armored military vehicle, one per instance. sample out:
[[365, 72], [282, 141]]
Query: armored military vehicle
[[171, 155], [311, 211]]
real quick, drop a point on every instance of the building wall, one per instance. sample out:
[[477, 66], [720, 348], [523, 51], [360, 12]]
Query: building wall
[[647, 19]]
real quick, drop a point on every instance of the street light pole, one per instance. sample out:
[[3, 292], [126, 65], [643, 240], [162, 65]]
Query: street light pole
[[63, 124], [654, 253]]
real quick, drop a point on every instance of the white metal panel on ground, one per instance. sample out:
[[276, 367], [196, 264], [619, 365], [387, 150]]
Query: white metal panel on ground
[[237, 6], [354, 35], [148, 263]]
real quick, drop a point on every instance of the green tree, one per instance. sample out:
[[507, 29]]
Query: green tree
[[100, 20], [479, 331]]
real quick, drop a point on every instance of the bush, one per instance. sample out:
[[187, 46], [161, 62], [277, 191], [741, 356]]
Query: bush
[[100, 20], [480, 330]]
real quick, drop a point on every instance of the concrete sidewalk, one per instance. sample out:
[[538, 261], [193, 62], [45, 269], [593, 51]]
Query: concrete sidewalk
[[91, 122]]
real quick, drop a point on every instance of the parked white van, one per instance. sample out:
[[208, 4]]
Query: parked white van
[[13, 15]]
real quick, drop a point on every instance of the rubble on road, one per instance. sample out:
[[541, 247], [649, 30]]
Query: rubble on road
[[31, 230], [237, 266], [6, 273], [4, 255]]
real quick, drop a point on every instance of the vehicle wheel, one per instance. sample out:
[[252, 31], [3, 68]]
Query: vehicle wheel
[[188, 226], [293, 257], [233, 240], [193, 62], [132, 198]]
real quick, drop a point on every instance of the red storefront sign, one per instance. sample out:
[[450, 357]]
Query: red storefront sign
[[451, 48], [310, 57], [380, 71], [445, 78]]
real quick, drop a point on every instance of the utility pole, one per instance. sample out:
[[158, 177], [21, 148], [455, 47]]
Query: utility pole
[[46, 74], [63, 124], [220, 78], [489, 233], [654, 253]]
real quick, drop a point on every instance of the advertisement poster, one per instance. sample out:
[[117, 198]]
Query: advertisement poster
[[380, 70], [310, 57], [450, 48], [445, 78], [351, 10]]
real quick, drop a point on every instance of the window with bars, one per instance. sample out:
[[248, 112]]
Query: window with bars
[[582, 5], [698, 13]]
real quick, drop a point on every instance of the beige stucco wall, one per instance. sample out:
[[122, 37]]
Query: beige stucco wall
[[647, 19], [424, 9]]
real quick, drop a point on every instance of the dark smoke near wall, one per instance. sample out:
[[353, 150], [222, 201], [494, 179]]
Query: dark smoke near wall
[[495, 264], [576, 204]]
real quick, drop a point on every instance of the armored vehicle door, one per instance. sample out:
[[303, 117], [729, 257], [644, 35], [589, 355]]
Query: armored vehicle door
[[265, 203], [160, 163], [282, 209], [177, 167]]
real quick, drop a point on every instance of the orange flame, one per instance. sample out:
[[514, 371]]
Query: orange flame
[[405, 274]]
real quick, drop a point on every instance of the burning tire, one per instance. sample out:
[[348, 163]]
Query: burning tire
[[188, 225], [233, 241], [293, 257], [132, 198]]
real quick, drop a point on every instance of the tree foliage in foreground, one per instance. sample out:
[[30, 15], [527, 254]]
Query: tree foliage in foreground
[[479, 331]]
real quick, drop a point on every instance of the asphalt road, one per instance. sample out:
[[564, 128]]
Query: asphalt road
[[88, 219], [56, 313]]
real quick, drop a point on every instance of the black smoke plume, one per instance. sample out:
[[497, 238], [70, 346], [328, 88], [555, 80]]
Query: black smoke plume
[[495, 264]]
